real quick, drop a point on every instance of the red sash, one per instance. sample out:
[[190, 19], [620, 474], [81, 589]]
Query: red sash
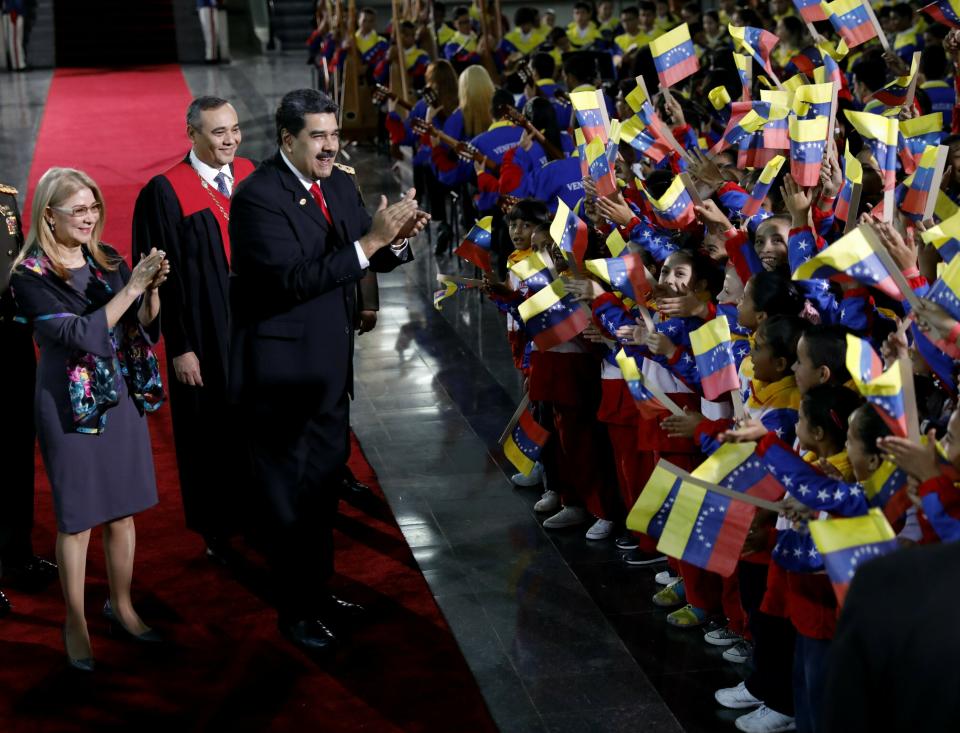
[[194, 196]]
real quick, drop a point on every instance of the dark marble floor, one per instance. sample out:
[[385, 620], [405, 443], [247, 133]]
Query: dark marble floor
[[560, 635]]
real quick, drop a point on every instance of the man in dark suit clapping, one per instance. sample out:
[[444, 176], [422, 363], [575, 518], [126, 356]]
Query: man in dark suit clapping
[[301, 239]]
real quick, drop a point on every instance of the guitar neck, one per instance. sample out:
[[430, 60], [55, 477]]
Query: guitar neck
[[454, 144]]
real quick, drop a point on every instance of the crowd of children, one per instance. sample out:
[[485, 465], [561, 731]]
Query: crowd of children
[[514, 150]]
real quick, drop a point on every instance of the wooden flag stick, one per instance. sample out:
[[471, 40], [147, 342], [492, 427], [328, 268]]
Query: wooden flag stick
[[737, 400], [909, 399], [881, 36], [661, 397], [468, 281], [891, 267], [722, 490], [852, 213], [691, 188], [524, 403], [912, 88], [831, 126], [888, 206], [941, 161]]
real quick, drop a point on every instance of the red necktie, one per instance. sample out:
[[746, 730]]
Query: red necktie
[[318, 197]]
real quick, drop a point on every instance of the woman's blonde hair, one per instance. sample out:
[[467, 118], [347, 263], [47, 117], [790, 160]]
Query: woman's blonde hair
[[476, 95], [54, 187]]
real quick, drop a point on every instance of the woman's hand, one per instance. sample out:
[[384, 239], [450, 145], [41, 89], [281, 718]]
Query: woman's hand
[[162, 274], [660, 343], [902, 249], [797, 199], [146, 271], [683, 306], [831, 175], [631, 335], [615, 209], [749, 431], [711, 215], [682, 426]]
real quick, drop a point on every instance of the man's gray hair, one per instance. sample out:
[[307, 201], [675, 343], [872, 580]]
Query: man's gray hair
[[202, 104]]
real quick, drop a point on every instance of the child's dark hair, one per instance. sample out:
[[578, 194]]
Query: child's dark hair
[[828, 407], [870, 427], [530, 210], [827, 346], [775, 294], [703, 268], [782, 334]]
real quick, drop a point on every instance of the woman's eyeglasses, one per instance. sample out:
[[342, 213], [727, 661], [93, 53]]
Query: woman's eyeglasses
[[78, 212]]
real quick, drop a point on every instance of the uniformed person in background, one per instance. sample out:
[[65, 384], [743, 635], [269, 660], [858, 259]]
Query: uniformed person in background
[[20, 568]]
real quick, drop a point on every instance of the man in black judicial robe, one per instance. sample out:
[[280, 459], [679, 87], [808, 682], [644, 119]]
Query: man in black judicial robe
[[301, 240], [185, 212]]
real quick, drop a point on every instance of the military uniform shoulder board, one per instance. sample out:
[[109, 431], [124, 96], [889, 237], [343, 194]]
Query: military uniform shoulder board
[[13, 192], [346, 169]]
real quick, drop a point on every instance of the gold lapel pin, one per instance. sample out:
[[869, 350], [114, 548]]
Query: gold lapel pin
[[303, 202]]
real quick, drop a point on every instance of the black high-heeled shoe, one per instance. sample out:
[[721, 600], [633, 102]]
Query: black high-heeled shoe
[[151, 636], [86, 664]]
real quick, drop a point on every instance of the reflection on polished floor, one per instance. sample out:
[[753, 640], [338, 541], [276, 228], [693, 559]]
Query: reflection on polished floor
[[559, 633]]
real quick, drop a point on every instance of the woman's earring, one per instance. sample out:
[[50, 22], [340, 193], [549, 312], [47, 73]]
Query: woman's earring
[[51, 225]]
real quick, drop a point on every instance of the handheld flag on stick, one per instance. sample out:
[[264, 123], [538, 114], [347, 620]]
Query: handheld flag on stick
[[713, 351], [944, 11], [616, 243], [946, 291], [625, 274], [848, 200], [525, 442], [650, 399], [894, 93], [762, 187], [883, 390], [853, 21], [551, 316], [810, 10], [719, 97], [923, 184], [714, 508], [600, 165], [916, 135], [674, 56], [643, 139], [756, 42], [846, 544], [747, 118], [744, 63], [449, 288], [475, 247], [569, 231], [813, 100], [945, 236], [674, 209], [807, 141], [591, 112], [650, 512], [880, 135]]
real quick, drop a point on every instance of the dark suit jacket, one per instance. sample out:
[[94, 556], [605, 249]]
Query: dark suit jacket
[[895, 659], [293, 287]]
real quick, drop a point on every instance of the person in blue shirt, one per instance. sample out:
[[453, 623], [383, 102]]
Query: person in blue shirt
[[502, 137], [544, 85]]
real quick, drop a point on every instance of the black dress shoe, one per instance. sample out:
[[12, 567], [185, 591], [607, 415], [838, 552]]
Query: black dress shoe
[[150, 636], [4, 605], [34, 574], [352, 489], [343, 610], [310, 635]]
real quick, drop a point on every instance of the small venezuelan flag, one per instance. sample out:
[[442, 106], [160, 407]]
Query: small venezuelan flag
[[861, 360], [747, 118], [674, 209], [475, 247], [643, 139], [807, 141], [600, 165], [713, 351], [762, 187], [916, 135], [920, 185], [944, 11], [449, 288], [755, 41], [846, 544], [945, 236], [852, 175], [851, 21], [551, 317], [674, 56], [625, 274], [591, 115], [946, 291], [810, 10], [813, 100], [569, 231], [650, 407], [744, 63], [894, 93], [708, 529], [525, 442], [851, 257], [649, 513], [880, 135]]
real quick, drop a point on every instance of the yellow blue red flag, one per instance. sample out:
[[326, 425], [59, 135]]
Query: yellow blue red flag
[[851, 257], [674, 56], [525, 443], [475, 247]]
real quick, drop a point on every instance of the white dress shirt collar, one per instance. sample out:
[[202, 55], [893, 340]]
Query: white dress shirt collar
[[306, 182], [209, 173]]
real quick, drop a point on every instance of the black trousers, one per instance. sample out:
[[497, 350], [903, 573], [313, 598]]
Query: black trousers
[[18, 371], [297, 460], [212, 483]]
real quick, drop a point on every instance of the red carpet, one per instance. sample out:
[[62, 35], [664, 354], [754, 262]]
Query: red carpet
[[226, 667]]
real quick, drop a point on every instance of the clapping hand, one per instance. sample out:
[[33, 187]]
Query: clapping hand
[[149, 272]]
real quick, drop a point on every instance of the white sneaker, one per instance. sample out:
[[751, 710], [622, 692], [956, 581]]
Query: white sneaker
[[737, 697], [535, 477], [665, 577], [739, 653], [722, 637], [600, 530], [765, 720], [549, 502], [569, 516]]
